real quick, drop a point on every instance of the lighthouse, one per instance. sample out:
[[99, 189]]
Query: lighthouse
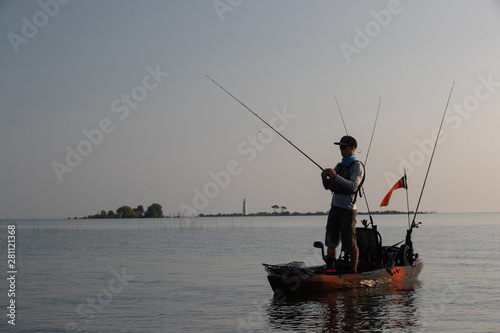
[[244, 212]]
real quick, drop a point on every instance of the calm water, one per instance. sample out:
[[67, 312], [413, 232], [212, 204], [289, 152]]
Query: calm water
[[206, 275]]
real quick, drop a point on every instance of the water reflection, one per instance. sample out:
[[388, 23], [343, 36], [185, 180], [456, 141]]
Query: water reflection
[[389, 308]]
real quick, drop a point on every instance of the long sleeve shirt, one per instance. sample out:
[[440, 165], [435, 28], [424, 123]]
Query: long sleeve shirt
[[346, 201]]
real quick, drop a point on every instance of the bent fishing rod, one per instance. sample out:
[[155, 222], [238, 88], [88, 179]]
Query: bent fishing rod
[[433, 150], [265, 122]]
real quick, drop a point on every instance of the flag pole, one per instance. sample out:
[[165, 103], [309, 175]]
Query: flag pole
[[407, 201]]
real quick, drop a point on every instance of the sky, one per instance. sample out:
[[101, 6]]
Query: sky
[[108, 103]]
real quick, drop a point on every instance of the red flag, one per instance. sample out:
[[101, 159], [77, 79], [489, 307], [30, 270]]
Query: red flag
[[400, 184]]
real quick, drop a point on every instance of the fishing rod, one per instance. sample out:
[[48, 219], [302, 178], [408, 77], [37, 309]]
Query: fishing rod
[[366, 160], [433, 150], [373, 131], [341, 117], [265, 122], [374, 125], [362, 190]]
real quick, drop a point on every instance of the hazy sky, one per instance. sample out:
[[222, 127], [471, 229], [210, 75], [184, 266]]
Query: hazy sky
[[106, 103]]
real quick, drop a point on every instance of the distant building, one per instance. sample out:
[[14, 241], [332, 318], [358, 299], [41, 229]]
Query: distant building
[[244, 207]]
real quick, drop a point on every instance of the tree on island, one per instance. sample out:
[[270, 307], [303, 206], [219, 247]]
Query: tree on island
[[139, 210], [154, 211], [126, 212], [283, 209]]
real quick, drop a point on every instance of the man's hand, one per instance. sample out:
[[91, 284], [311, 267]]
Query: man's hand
[[330, 173]]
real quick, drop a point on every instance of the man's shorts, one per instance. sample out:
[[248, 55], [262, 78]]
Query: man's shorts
[[341, 225]]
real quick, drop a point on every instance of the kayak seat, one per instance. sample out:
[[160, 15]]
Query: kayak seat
[[370, 248]]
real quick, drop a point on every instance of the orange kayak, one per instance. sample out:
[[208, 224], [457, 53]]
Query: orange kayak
[[377, 265], [319, 281]]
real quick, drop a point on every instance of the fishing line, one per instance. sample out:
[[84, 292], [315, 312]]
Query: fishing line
[[246, 107], [432, 155]]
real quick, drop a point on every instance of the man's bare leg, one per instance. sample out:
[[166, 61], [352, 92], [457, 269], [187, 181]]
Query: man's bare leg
[[354, 258]]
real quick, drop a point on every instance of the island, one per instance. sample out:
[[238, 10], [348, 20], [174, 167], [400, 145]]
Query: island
[[156, 211], [127, 212]]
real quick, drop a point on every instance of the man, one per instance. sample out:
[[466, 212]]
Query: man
[[344, 181]]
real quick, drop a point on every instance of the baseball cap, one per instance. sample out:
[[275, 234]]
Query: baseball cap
[[347, 140]]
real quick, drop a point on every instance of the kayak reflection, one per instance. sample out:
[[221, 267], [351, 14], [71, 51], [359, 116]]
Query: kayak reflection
[[379, 309]]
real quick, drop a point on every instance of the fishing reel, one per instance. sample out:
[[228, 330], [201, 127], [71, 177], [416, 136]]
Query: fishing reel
[[415, 225]]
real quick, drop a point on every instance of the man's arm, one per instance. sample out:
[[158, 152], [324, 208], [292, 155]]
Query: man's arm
[[355, 178], [327, 177]]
